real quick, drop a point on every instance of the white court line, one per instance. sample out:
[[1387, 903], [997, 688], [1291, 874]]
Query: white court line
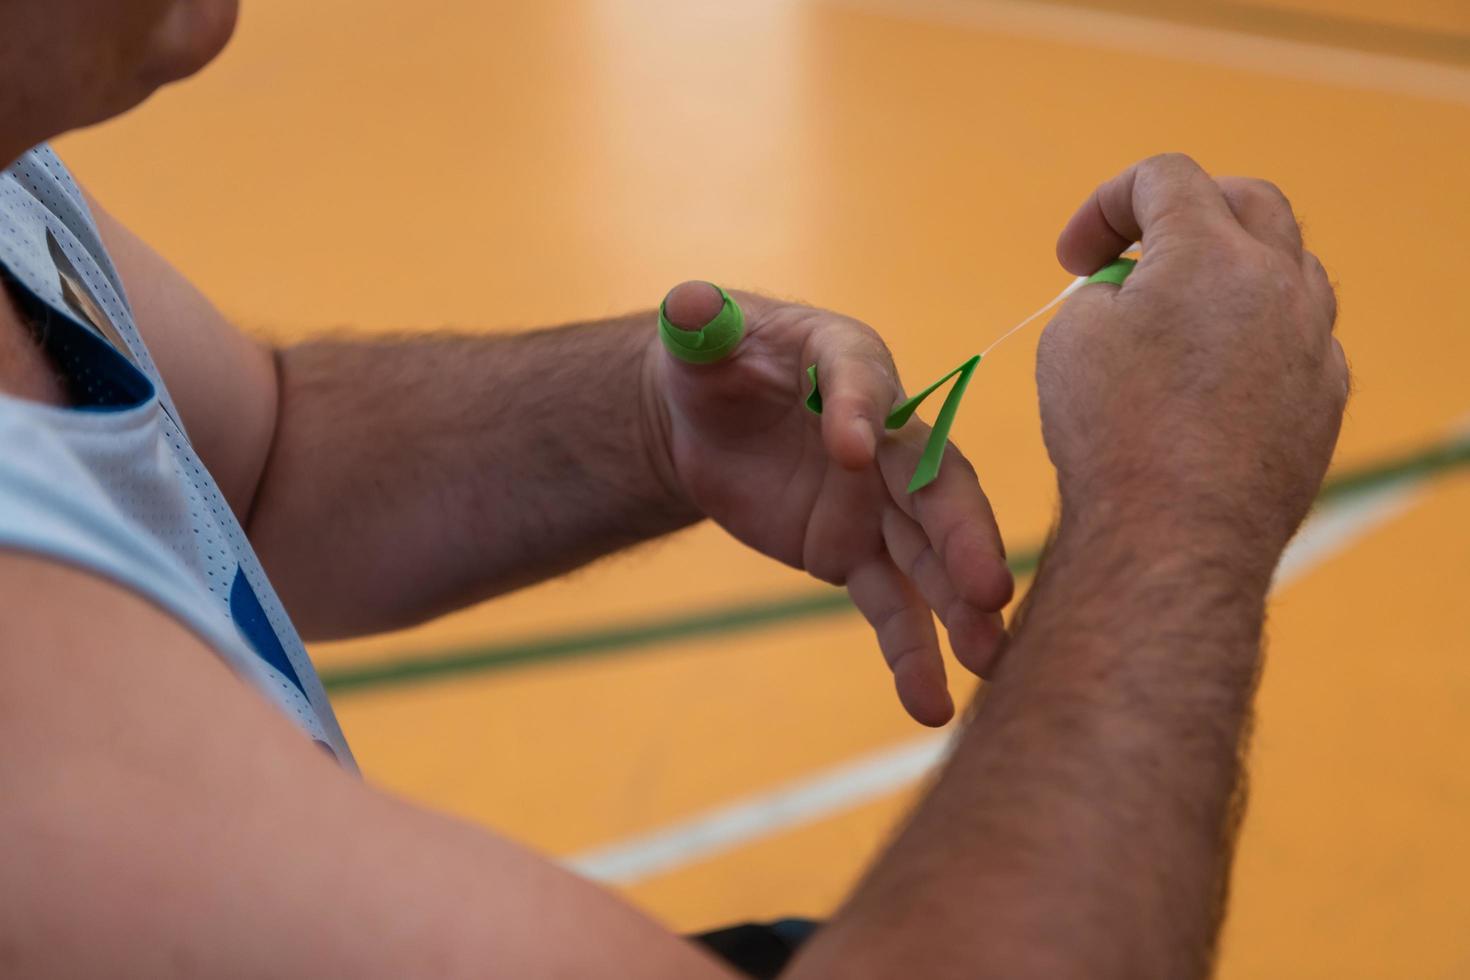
[[1331, 529], [1221, 47], [802, 801]]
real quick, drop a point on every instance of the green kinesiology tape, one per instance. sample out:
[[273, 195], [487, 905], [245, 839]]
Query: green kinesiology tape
[[814, 400], [1114, 272], [928, 469], [716, 341], [933, 455]]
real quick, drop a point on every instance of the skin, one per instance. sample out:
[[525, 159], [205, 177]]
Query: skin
[[393, 544], [1083, 826], [71, 63]]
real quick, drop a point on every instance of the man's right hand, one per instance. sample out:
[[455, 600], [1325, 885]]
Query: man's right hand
[[1084, 825], [1209, 388]]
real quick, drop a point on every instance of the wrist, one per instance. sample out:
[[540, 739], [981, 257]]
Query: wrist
[[1156, 541], [1184, 509], [1168, 608], [1220, 497]]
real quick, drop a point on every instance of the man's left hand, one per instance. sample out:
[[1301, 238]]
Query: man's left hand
[[827, 493]]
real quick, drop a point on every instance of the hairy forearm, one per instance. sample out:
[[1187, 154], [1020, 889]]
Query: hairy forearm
[[410, 476], [1084, 825]]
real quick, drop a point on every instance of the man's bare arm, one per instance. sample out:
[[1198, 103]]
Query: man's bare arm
[[412, 476], [1082, 828], [386, 480], [162, 820], [1085, 823]]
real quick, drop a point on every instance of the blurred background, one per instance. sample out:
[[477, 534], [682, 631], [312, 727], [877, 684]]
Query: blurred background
[[498, 165]]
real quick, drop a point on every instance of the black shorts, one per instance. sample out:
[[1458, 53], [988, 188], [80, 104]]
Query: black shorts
[[759, 950]]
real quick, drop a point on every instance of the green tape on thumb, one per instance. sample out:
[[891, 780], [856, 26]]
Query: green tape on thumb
[[1114, 272], [716, 341]]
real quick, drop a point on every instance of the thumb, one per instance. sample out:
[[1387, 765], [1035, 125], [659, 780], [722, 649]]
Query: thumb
[[700, 323], [691, 305]]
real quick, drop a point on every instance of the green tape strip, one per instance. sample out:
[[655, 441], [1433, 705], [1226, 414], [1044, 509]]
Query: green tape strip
[[814, 400], [1114, 272], [933, 454], [713, 343]]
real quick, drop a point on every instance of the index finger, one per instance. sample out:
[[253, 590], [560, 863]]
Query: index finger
[[1149, 202], [859, 386]]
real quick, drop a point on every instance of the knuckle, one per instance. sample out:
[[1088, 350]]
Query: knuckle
[[872, 337], [865, 388], [1273, 271], [1282, 274], [792, 317], [1340, 362], [1173, 162], [889, 620], [906, 652], [877, 361], [1166, 171], [924, 564], [1235, 259], [1318, 271], [947, 540], [1255, 280], [1266, 192], [859, 344], [1325, 292], [1239, 252], [846, 401]]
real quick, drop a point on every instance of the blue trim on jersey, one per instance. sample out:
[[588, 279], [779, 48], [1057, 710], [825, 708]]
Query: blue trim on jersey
[[251, 620], [107, 480], [99, 377]]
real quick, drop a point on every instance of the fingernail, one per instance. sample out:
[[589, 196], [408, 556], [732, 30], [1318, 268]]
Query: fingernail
[[692, 305]]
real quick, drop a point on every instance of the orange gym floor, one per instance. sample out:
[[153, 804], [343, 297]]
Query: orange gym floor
[[498, 165]]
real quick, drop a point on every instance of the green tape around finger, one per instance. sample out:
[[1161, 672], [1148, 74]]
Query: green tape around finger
[[1114, 272], [714, 342], [933, 454]]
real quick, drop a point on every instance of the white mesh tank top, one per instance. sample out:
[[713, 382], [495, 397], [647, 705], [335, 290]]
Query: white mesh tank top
[[111, 483]]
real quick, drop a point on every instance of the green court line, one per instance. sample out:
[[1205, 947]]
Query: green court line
[[1448, 455], [729, 619], [745, 617]]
